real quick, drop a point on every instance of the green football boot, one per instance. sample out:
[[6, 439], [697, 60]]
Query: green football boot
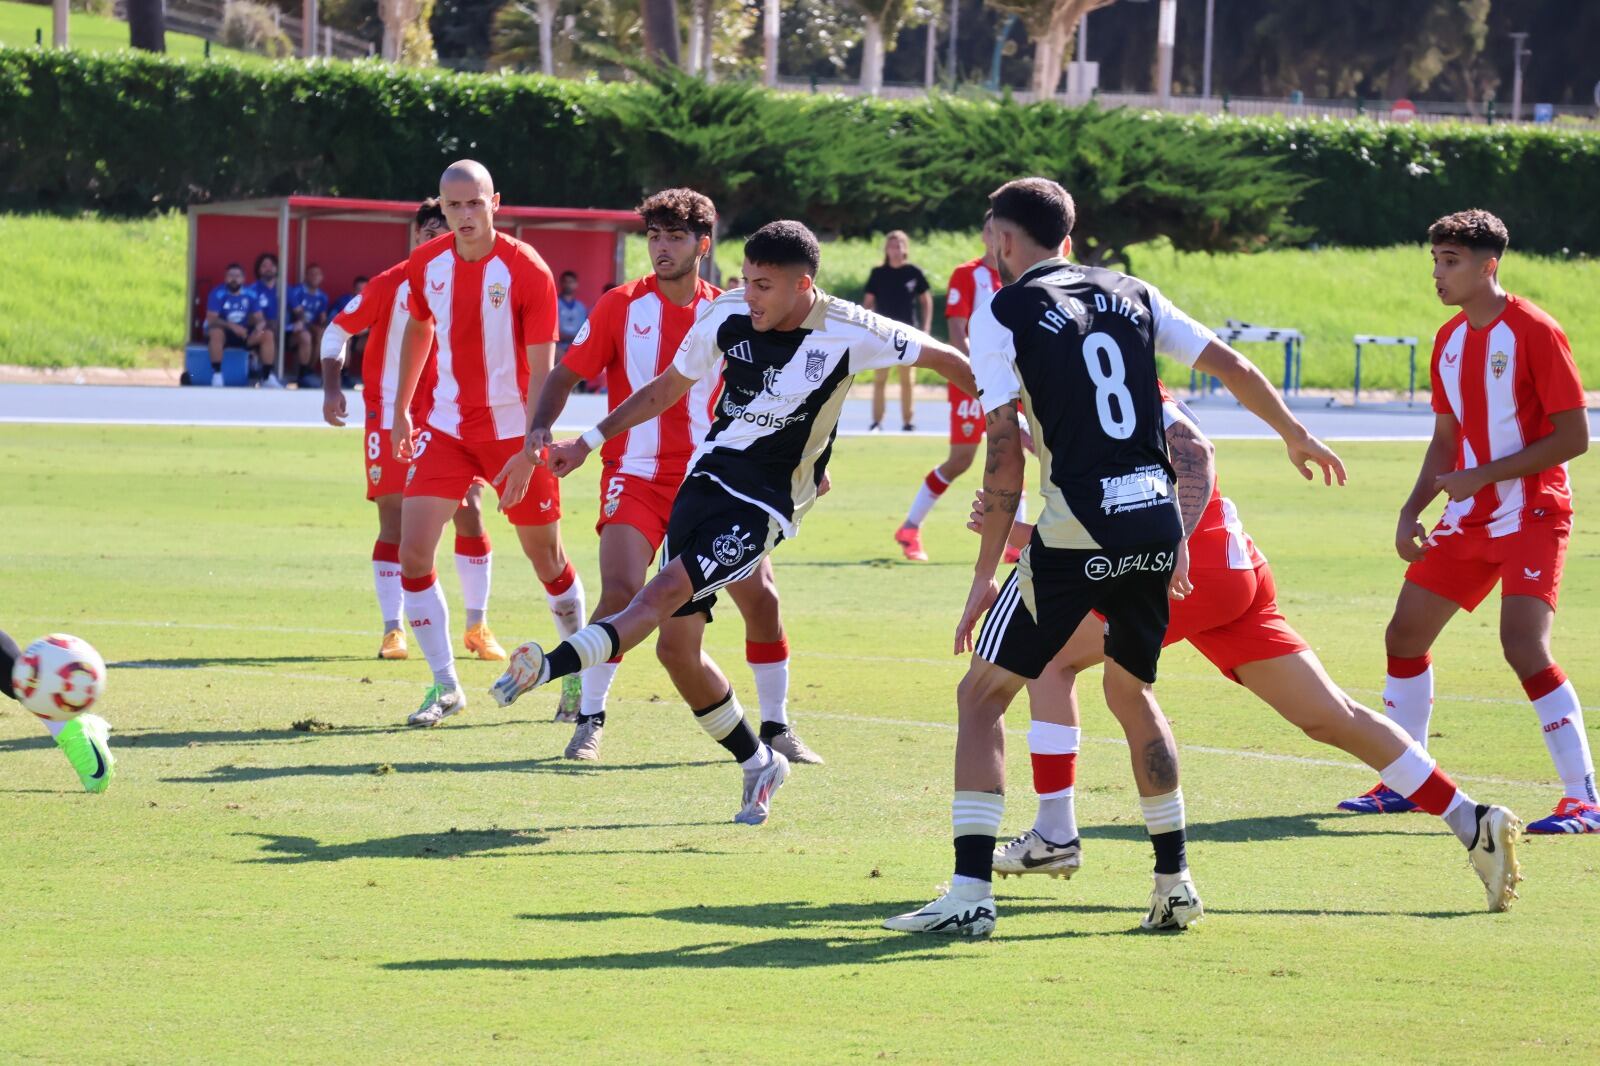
[[86, 741]]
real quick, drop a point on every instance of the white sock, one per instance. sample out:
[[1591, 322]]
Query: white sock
[[53, 728], [1022, 507], [1164, 813], [596, 685], [772, 678], [928, 494], [760, 760], [566, 608], [386, 582], [430, 625], [1054, 749], [475, 567], [1409, 698], [1561, 718]]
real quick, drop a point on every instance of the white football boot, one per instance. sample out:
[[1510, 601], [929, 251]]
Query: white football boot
[[949, 915], [1031, 853], [522, 673], [759, 785], [438, 703], [1174, 903], [1494, 856]]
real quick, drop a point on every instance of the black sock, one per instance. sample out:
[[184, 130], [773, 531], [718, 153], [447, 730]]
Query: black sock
[[598, 719], [9, 654], [562, 660], [773, 729], [975, 857], [1169, 852]]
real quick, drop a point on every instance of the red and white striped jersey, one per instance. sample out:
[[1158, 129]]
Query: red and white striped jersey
[[1502, 383], [971, 286], [381, 308], [484, 315], [632, 334], [1219, 541]]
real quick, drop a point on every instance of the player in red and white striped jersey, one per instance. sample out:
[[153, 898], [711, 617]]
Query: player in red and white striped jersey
[[632, 335], [972, 284], [1224, 603], [1508, 415], [489, 302], [381, 309]]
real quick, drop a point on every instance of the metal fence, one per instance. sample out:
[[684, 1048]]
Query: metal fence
[[1287, 107]]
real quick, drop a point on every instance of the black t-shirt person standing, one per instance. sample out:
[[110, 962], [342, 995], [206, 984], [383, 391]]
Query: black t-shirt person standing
[[899, 290]]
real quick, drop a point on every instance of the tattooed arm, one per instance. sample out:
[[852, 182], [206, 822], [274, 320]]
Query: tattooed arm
[[1002, 493], [1194, 459]]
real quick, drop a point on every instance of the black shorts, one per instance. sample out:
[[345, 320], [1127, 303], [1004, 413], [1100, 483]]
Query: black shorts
[[720, 538], [1050, 591]]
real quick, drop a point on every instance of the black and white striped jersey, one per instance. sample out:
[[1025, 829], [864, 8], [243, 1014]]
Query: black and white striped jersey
[[772, 428], [1077, 346]]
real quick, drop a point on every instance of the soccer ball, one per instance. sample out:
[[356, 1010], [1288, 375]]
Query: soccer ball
[[58, 677]]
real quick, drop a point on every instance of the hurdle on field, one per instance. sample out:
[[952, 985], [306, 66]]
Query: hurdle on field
[[1363, 339], [1244, 333]]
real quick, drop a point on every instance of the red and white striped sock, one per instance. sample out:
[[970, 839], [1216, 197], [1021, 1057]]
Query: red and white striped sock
[[565, 598], [1561, 718], [386, 582], [430, 625], [928, 494], [769, 662], [1417, 777], [1054, 751], [474, 565], [1408, 695]]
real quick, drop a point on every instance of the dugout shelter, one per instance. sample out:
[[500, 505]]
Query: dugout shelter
[[350, 238]]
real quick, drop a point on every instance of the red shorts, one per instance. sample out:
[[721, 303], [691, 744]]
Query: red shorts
[[1463, 567], [386, 475], [966, 418], [445, 467], [1232, 618], [630, 500]]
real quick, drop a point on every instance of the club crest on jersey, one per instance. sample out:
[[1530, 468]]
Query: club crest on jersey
[[497, 295], [730, 547], [816, 359], [1498, 363], [741, 352], [611, 506], [375, 473], [583, 334], [411, 472]]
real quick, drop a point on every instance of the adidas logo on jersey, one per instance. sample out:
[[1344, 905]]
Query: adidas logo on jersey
[[741, 352]]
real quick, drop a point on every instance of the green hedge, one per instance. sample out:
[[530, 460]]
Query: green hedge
[[128, 134]]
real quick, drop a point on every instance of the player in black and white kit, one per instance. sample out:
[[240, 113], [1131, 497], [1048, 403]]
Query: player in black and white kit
[[786, 352], [1077, 346]]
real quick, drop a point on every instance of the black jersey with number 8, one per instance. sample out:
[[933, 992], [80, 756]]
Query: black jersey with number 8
[[1077, 346]]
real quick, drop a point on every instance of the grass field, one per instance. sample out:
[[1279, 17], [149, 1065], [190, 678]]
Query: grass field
[[19, 23], [1329, 295], [247, 892]]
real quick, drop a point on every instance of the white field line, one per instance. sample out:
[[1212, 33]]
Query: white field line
[[896, 723], [953, 662]]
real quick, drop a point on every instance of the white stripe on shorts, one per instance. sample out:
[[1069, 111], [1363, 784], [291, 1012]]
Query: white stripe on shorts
[[994, 626]]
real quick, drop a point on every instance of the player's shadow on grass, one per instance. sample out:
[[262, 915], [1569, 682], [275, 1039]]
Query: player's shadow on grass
[[193, 738], [234, 660], [553, 764], [1264, 827], [454, 844]]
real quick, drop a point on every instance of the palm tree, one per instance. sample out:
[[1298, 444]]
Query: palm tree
[[660, 30], [1050, 24]]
